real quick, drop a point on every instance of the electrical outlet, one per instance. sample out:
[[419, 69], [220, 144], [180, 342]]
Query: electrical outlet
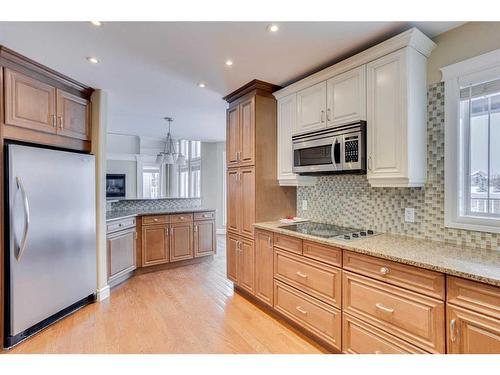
[[409, 215], [304, 205]]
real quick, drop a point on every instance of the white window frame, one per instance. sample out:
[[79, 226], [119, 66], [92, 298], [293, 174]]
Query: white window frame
[[472, 71], [148, 161], [190, 164]]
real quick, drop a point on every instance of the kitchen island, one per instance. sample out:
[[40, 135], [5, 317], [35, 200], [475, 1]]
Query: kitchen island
[[148, 239]]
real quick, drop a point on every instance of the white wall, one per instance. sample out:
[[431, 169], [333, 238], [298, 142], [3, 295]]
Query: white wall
[[212, 178]]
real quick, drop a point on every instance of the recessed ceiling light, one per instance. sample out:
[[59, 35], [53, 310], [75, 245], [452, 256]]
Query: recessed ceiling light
[[229, 62], [92, 60], [273, 28], [201, 84], [96, 23]]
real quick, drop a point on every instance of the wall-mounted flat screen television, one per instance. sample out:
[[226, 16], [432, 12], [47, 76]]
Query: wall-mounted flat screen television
[[115, 186]]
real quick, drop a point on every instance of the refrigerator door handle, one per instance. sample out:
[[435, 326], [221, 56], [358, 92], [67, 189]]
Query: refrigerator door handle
[[22, 245]]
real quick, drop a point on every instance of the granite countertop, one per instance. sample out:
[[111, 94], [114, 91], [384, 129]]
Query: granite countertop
[[121, 214], [470, 263]]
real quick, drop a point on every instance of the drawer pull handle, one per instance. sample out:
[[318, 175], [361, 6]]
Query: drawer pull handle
[[205, 215], [155, 220], [301, 310], [182, 218], [384, 270], [120, 225], [383, 308], [301, 274]]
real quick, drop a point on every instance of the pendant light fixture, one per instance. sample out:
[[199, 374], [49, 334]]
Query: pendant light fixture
[[170, 155]]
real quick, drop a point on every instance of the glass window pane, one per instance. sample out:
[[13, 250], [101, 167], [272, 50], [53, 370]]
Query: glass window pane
[[495, 162], [151, 182], [479, 163], [195, 149]]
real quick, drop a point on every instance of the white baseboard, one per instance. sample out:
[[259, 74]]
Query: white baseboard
[[103, 293], [221, 231]]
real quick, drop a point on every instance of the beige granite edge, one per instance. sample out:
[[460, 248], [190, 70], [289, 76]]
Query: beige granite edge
[[424, 253]]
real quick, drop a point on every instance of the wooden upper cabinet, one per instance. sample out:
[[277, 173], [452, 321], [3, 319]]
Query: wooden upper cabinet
[[204, 238], [247, 132], [155, 245], [181, 241], [247, 205], [311, 108], [346, 97], [472, 333], [264, 267], [233, 136], [73, 116], [233, 200], [29, 103]]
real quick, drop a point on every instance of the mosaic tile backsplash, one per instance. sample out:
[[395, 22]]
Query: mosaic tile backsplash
[[348, 200], [154, 204]]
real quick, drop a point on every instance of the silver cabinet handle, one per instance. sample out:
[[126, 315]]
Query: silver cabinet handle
[[328, 111], [22, 246], [453, 325], [322, 115], [60, 122], [195, 228], [155, 220], [303, 275], [369, 163], [301, 310], [182, 217], [269, 242], [54, 124], [384, 270], [167, 232], [383, 308]]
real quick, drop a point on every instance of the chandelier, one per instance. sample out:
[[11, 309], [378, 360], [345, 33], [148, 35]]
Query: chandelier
[[169, 155]]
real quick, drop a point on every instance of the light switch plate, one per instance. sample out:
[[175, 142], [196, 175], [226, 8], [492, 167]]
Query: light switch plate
[[304, 205], [409, 215]]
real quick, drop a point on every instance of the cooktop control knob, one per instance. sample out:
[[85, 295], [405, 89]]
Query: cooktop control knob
[[370, 231], [362, 233], [347, 237], [355, 235]]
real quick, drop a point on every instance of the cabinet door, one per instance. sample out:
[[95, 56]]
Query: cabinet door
[[386, 123], [233, 134], [155, 245], [246, 265], [311, 106], [287, 118], [181, 241], [247, 197], [233, 200], [73, 116], [121, 253], [29, 103], [472, 333], [264, 267], [247, 132], [346, 97], [232, 250], [204, 238]]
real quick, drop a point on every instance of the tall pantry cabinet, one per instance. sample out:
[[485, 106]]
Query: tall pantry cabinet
[[253, 192]]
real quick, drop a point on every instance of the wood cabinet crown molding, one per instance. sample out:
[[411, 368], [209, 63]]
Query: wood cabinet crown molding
[[411, 38], [249, 87], [13, 59]]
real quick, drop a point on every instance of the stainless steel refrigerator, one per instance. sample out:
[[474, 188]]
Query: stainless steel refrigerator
[[51, 241]]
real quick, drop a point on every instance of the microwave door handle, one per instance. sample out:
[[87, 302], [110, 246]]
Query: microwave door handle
[[335, 143]]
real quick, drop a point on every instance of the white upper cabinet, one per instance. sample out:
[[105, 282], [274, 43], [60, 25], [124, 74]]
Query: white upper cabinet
[[311, 108], [346, 97], [396, 119], [287, 119]]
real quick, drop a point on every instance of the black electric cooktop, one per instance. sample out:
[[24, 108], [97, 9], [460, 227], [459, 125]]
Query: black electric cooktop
[[329, 231]]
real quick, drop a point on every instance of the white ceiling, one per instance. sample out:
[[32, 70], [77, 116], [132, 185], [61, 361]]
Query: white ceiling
[[151, 69]]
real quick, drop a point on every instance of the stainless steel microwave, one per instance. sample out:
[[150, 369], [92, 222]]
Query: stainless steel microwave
[[340, 149]]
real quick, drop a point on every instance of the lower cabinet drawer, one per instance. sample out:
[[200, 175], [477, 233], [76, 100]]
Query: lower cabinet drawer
[[413, 317], [317, 279], [359, 337], [317, 317]]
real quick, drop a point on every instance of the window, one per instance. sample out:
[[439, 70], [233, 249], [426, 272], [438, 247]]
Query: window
[[151, 182], [472, 143], [189, 175]]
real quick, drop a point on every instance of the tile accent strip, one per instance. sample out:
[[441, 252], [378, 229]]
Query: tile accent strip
[[348, 200], [155, 204]]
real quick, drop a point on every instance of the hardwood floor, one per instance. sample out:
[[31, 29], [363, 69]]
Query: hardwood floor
[[191, 309]]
